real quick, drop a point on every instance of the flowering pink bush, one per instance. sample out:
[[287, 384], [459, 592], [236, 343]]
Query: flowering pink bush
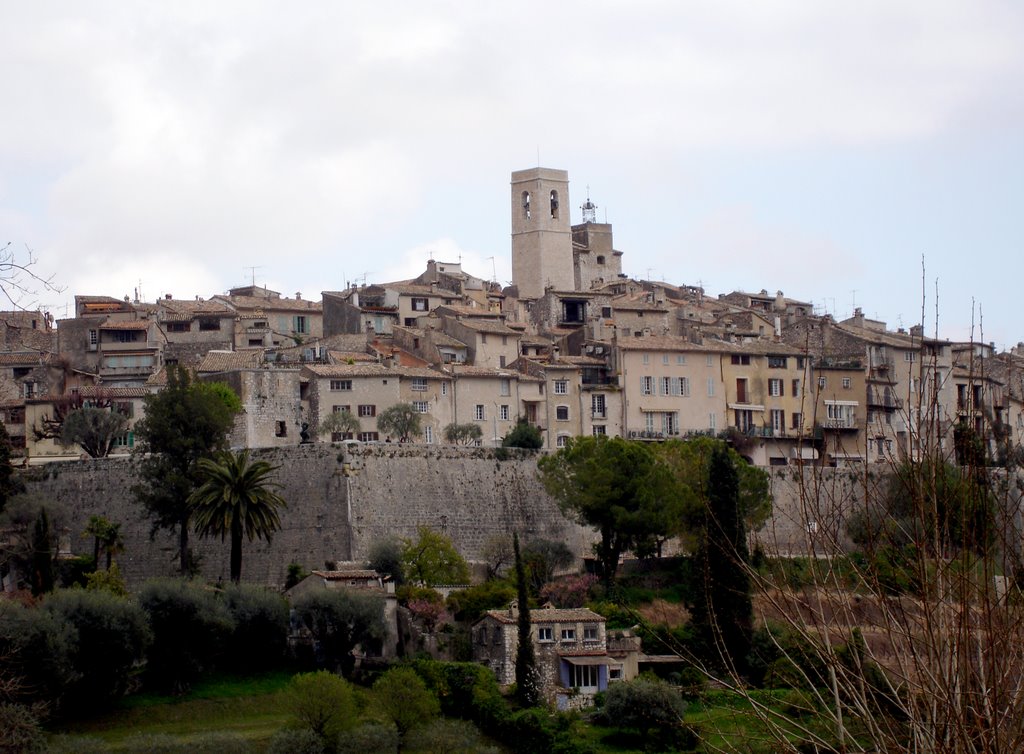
[[428, 612], [569, 591]]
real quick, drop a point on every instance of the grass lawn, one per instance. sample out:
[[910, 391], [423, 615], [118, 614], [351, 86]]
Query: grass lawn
[[250, 708]]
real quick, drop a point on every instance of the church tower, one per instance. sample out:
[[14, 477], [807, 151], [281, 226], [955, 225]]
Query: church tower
[[541, 235]]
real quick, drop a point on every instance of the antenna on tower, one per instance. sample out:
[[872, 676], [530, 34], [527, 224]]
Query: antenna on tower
[[589, 209], [252, 272], [494, 269]]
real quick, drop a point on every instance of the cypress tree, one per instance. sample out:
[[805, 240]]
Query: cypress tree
[[527, 683], [722, 611], [42, 555]]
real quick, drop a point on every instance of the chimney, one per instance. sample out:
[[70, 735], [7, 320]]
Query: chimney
[[168, 296], [298, 296]]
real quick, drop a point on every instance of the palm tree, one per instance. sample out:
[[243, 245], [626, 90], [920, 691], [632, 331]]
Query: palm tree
[[235, 496]]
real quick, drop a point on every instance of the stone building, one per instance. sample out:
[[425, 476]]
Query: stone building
[[570, 647]]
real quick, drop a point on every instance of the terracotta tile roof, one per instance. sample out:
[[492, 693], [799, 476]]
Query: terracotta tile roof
[[157, 379], [473, 312], [99, 391], [341, 357], [468, 370], [427, 372], [178, 307], [347, 574], [439, 338], [548, 615], [488, 326], [225, 361], [350, 370], [126, 325], [25, 358], [630, 304], [669, 343], [583, 361], [260, 304]]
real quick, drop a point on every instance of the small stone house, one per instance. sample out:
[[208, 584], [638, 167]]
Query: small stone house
[[571, 647]]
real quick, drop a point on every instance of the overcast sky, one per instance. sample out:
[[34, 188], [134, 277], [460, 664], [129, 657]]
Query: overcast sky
[[817, 148]]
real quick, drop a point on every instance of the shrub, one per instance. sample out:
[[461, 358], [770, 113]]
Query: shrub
[[20, 730], [260, 637], [569, 591], [323, 703], [112, 637], [109, 580], [338, 621], [190, 628], [378, 738], [404, 698], [468, 605], [465, 689], [648, 705], [296, 741], [296, 573], [201, 743], [446, 737], [37, 650], [782, 658]]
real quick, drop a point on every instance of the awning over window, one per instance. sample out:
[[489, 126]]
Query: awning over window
[[587, 660], [805, 453]]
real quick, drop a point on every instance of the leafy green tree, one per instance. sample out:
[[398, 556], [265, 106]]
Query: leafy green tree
[[36, 652], [615, 486], [93, 429], [10, 484], [260, 636], [689, 461], [543, 558], [523, 435], [338, 622], [930, 504], [647, 705], [721, 608], [106, 538], [323, 703], [236, 498], [432, 559], [340, 423], [468, 605], [42, 555], [191, 628], [184, 422], [111, 638], [385, 557], [463, 434], [401, 420], [527, 680], [404, 699]]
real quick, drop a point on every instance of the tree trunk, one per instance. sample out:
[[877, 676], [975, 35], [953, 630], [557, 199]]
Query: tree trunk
[[183, 563], [236, 551]]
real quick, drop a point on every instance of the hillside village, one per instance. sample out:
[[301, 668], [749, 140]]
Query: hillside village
[[573, 346]]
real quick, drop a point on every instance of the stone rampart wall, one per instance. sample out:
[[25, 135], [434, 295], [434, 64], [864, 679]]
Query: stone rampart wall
[[344, 497], [341, 498]]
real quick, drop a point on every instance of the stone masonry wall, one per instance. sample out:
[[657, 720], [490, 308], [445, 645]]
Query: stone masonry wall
[[392, 488], [344, 497]]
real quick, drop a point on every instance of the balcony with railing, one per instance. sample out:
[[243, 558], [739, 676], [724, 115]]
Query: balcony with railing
[[840, 425]]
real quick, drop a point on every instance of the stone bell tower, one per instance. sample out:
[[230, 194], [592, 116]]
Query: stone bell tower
[[541, 235]]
